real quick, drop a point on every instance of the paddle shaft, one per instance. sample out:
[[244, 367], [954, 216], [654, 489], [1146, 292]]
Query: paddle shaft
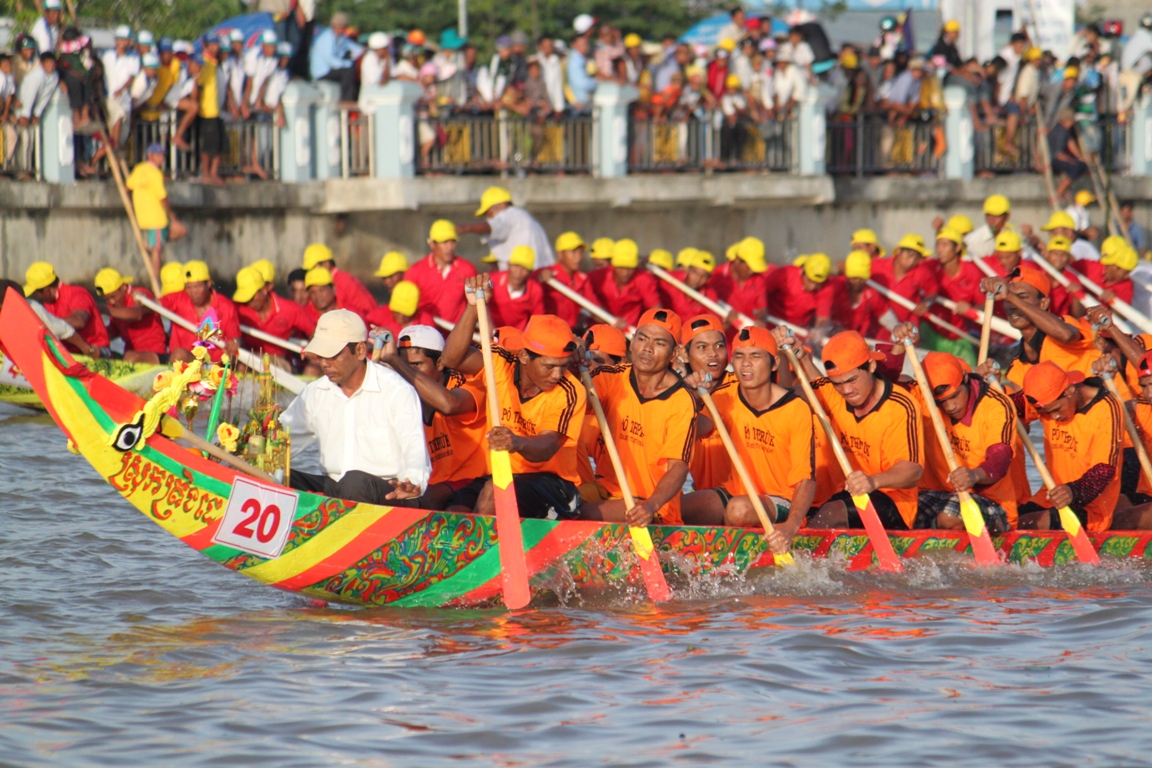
[[256, 333], [986, 327], [1122, 307], [999, 324], [200, 443], [593, 308], [1130, 425], [114, 163], [910, 305], [721, 309], [609, 439]]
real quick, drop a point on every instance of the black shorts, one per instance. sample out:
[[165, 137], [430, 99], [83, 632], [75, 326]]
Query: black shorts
[[541, 495], [1053, 514], [783, 506], [886, 509], [213, 137]]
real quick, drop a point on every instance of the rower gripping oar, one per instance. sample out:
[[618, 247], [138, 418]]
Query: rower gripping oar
[[649, 563], [509, 538], [720, 308], [973, 519], [986, 327], [1133, 432], [1068, 520], [881, 545], [741, 468]]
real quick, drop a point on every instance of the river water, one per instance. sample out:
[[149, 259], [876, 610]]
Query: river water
[[120, 646]]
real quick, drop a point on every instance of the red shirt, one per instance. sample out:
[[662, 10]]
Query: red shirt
[[1060, 301], [442, 294], [629, 302], [917, 285], [147, 333], [788, 300], [557, 304], [863, 317], [70, 298], [750, 297], [180, 304], [515, 311], [1094, 271], [283, 318], [383, 317], [964, 286], [353, 293], [688, 307]]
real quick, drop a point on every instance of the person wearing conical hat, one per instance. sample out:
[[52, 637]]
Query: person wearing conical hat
[[71, 303], [260, 308], [570, 249], [441, 274], [198, 299], [353, 294], [505, 226], [139, 327], [625, 290]]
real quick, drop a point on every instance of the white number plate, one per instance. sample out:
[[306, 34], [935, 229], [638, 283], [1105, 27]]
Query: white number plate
[[257, 519]]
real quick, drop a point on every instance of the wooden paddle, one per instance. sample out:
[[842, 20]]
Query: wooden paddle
[[256, 333], [176, 431], [999, 324], [1068, 520], [509, 538], [910, 305], [1130, 313], [649, 563], [986, 327], [719, 308], [594, 309], [126, 200], [881, 545], [982, 548], [745, 476]]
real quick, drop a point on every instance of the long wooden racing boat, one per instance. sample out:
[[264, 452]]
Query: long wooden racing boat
[[364, 554]]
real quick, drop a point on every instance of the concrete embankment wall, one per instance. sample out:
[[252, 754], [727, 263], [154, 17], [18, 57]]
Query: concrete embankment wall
[[83, 228]]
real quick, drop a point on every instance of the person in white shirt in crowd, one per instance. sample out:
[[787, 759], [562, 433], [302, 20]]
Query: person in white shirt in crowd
[[1013, 54], [36, 90], [7, 108], [741, 62], [609, 47], [46, 30], [259, 63], [366, 418], [734, 29], [145, 42], [181, 95], [552, 70], [408, 65], [506, 226], [665, 65], [633, 61], [451, 66], [274, 87], [1024, 97], [789, 83], [145, 81], [1078, 210], [376, 64], [230, 76], [121, 65], [760, 87], [802, 54]]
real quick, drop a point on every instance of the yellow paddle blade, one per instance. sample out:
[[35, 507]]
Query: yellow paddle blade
[[861, 502], [1069, 521], [641, 541], [785, 559], [501, 469], [973, 520]]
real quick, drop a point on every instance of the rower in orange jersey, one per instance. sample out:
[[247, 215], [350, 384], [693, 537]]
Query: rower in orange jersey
[[260, 308], [570, 249], [453, 411], [742, 281], [1082, 426], [1139, 515], [857, 306], [802, 294], [404, 308], [353, 294], [652, 415], [323, 296], [879, 426], [625, 290], [515, 296], [604, 345], [706, 355], [771, 427]]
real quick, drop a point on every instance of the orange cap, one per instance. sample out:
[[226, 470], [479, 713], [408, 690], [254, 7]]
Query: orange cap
[[1145, 365], [945, 374], [663, 318], [847, 351], [755, 336], [699, 324], [607, 339], [1035, 278], [1046, 382], [549, 336], [509, 337]]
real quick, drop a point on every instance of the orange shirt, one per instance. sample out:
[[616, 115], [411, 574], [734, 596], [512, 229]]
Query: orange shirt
[[1141, 411], [710, 466], [649, 433], [777, 444], [889, 433], [456, 443], [1077, 356], [829, 475], [559, 410]]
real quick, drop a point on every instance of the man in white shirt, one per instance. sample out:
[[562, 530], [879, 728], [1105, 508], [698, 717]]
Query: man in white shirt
[[981, 242], [145, 81], [505, 226], [35, 90], [789, 83], [1012, 54], [365, 417], [259, 64], [121, 65], [230, 75], [46, 30], [552, 70]]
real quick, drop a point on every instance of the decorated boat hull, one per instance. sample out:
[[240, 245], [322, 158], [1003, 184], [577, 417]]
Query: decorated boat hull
[[134, 377], [365, 554]]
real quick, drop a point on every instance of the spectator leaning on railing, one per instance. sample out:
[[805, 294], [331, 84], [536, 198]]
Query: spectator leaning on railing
[[333, 55], [35, 91], [580, 82]]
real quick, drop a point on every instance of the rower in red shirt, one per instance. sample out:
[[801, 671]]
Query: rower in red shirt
[[858, 307], [323, 295], [683, 261], [139, 327], [263, 310], [570, 248], [1117, 260], [624, 290], [393, 266], [906, 274], [663, 259], [741, 281], [353, 294], [403, 309], [193, 304], [1059, 254], [70, 303], [959, 279], [801, 294], [441, 274], [515, 296], [697, 276]]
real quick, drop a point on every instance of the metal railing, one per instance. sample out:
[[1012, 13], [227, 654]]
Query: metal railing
[[357, 154], [869, 145], [1114, 138], [253, 146], [711, 144], [20, 151], [997, 152], [504, 143]]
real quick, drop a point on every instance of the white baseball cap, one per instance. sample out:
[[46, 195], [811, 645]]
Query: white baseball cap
[[182, 46], [336, 330], [268, 37], [420, 337], [236, 36], [51, 5], [378, 40], [149, 60], [123, 32], [144, 37], [583, 23]]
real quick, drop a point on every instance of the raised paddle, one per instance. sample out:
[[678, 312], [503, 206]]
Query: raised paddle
[[1130, 313], [986, 327], [742, 470], [1068, 520], [1087, 299], [881, 545], [973, 519], [513, 565], [593, 308], [654, 580]]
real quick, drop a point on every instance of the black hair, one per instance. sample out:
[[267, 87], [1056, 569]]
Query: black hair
[[1020, 37], [296, 274], [736, 9], [48, 56], [1093, 27], [5, 285]]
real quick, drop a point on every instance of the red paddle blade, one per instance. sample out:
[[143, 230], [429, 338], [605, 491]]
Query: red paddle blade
[[885, 555], [649, 565], [1079, 539], [513, 567], [982, 548]]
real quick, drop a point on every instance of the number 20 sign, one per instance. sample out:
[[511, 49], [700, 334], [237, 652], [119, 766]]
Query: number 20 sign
[[258, 518]]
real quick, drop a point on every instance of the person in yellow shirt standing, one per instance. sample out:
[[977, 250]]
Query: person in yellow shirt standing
[[150, 203], [213, 138]]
